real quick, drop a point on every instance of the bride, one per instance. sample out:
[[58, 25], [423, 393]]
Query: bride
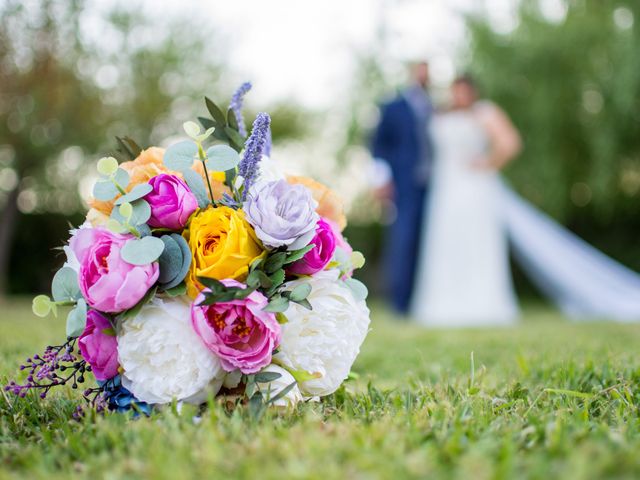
[[463, 273], [463, 276]]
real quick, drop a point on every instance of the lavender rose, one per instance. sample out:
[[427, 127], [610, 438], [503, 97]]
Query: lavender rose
[[99, 346], [107, 282], [282, 214], [324, 245], [171, 201]]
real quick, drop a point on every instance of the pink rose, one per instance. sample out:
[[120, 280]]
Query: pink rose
[[171, 201], [107, 282], [239, 332], [324, 245], [99, 346]]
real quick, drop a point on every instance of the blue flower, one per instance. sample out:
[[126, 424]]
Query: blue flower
[[121, 400], [236, 106], [254, 148]]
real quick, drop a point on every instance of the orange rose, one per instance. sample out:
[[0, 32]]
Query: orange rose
[[329, 203], [141, 170]]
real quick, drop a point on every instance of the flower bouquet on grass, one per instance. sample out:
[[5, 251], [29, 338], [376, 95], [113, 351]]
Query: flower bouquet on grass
[[204, 270]]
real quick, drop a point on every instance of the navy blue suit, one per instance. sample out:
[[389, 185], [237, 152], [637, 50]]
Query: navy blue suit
[[401, 140]]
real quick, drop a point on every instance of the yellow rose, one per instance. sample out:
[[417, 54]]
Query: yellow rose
[[329, 203], [222, 245]]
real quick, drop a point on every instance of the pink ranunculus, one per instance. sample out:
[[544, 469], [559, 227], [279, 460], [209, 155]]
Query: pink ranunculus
[[324, 245], [107, 282], [99, 346], [239, 332], [171, 201]]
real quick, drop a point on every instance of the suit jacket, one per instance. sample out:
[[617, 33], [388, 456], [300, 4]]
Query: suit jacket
[[402, 141]]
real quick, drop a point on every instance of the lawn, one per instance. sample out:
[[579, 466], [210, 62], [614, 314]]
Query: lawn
[[548, 399]]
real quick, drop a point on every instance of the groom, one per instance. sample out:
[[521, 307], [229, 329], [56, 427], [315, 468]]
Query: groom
[[401, 142]]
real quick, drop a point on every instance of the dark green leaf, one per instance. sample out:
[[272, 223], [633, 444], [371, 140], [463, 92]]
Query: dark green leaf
[[207, 123], [256, 406], [277, 278], [275, 262], [216, 113], [266, 377], [235, 137], [177, 291], [213, 284], [232, 121], [298, 254], [305, 303], [281, 393], [133, 311]]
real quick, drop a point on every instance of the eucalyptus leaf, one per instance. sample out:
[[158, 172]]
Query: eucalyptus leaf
[[180, 156], [170, 260], [136, 193], [196, 185], [107, 166], [300, 292], [358, 289], [77, 319], [277, 304], [121, 177], [221, 158], [305, 303], [41, 306], [281, 393], [142, 251], [191, 128], [140, 213], [64, 286], [256, 406], [277, 278], [104, 190], [186, 261]]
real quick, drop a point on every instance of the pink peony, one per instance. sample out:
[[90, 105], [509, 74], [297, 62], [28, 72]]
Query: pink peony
[[107, 282], [324, 245], [99, 346], [171, 201], [239, 332]]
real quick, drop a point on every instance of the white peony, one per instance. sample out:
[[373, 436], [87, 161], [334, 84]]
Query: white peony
[[269, 170], [163, 358], [327, 339], [273, 388]]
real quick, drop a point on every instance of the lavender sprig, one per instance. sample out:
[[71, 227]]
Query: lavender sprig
[[236, 105], [57, 366], [253, 150]]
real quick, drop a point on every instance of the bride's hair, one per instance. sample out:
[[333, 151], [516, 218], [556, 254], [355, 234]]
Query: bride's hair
[[466, 79]]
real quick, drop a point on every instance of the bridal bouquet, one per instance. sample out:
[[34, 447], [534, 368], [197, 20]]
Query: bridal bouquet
[[204, 270]]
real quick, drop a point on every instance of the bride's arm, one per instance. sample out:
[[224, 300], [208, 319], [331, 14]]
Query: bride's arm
[[505, 143]]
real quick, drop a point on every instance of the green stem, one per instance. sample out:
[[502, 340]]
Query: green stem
[[65, 303], [203, 157], [120, 189]]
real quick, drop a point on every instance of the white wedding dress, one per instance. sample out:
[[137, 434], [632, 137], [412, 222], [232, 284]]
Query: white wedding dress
[[463, 276]]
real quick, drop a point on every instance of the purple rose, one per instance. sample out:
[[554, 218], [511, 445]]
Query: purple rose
[[171, 201], [282, 214], [99, 346], [107, 282], [324, 245], [239, 332]]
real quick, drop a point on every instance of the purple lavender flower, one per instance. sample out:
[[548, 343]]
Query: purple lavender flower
[[282, 214], [253, 150], [236, 106]]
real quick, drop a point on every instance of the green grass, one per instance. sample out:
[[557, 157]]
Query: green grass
[[548, 399]]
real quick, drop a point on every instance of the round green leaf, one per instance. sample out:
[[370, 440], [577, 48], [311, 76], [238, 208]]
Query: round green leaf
[[107, 166], [115, 226], [186, 261], [77, 319], [191, 128], [136, 193], [104, 190], [170, 260], [126, 210], [142, 251], [300, 292], [180, 156], [121, 178], [65, 285], [221, 158], [41, 306], [358, 289], [141, 211], [196, 185]]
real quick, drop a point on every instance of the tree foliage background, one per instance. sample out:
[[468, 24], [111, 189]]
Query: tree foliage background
[[572, 86]]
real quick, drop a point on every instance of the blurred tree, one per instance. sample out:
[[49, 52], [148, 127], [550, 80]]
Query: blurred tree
[[572, 86], [65, 94]]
